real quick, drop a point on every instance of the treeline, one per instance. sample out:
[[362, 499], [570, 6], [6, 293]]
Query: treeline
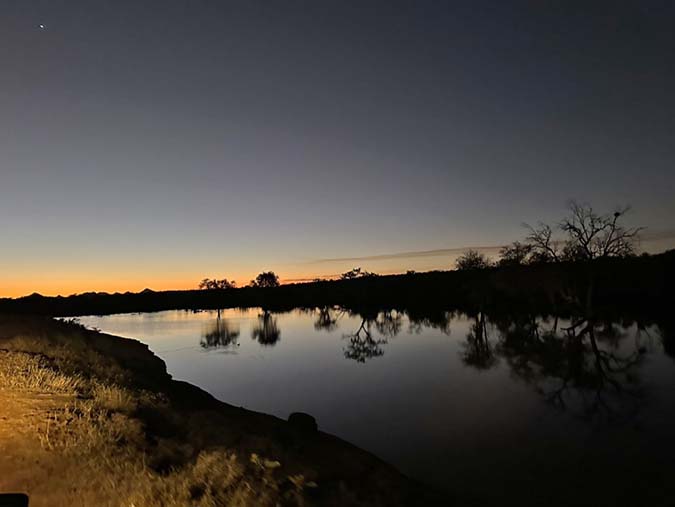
[[585, 262], [642, 283], [582, 235], [264, 279]]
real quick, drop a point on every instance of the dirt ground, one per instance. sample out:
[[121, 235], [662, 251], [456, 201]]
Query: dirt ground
[[27, 464]]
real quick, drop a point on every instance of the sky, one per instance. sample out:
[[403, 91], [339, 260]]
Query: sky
[[155, 143]]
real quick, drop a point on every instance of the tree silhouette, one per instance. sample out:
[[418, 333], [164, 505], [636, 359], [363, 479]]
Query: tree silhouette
[[208, 284], [589, 235], [266, 279], [543, 247], [356, 273], [471, 260], [515, 254]]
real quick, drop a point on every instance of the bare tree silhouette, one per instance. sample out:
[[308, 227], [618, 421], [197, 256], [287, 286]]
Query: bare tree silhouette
[[589, 235], [543, 247], [592, 235]]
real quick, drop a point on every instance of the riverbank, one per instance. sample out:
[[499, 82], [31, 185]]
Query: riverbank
[[92, 419]]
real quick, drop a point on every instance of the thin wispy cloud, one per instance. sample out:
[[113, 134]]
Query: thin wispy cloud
[[441, 252], [657, 235], [645, 237]]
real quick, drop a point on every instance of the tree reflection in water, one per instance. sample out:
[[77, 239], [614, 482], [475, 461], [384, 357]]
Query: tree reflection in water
[[477, 347], [266, 331], [667, 331], [438, 319], [389, 323], [221, 334], [588, 367], [327, 319], [362, 345], [584, 366]]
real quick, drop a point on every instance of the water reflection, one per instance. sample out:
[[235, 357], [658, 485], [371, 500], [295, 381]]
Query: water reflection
[[220, 334], [388, 323], [667, 332], [587, 367], [439, 320], [437, 391], [327, 318], [478, 351], [266, 332], [362, 346]]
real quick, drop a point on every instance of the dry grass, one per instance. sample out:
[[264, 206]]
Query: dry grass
[[32, 372], [218, 478], [72, 357], [114, 398], [90, 446]]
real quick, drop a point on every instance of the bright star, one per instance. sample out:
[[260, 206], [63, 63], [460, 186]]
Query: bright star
[[41, 26]]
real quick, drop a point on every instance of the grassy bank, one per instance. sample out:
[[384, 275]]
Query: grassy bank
[[91, 419]]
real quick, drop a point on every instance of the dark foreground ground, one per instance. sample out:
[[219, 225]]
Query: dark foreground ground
[[92, 419]]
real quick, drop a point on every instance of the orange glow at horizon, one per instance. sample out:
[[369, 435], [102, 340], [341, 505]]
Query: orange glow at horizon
[[68, 284], [127, 277], [65, 285], [73, 277]]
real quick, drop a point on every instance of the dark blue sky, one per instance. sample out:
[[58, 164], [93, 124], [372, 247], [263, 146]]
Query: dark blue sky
[[149, 143]]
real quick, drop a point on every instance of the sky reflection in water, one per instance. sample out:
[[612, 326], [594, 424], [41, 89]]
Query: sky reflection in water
[[447, 398]]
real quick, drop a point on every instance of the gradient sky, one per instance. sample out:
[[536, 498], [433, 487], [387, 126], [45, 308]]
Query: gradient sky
[[152, 143]]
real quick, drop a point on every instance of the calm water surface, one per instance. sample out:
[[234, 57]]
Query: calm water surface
[[464, 403]]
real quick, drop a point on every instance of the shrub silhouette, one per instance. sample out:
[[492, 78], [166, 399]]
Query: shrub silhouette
[[208, 284], [472, 259], [356, 273], [266, 279]]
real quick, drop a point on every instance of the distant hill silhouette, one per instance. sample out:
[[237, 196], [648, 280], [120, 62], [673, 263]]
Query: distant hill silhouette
[[641, 283]]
